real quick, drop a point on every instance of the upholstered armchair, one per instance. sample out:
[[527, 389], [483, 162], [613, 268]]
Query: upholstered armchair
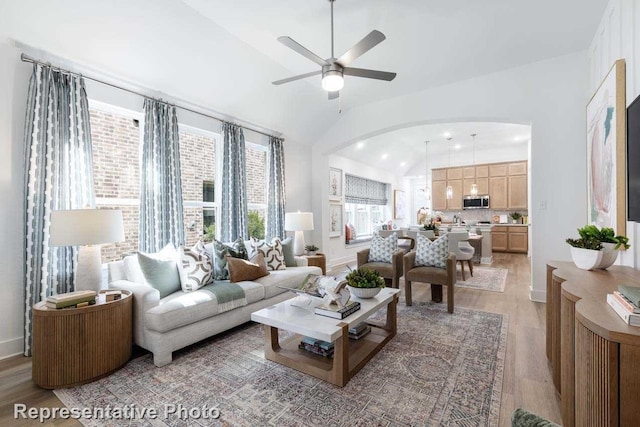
[[436, 277], [391, 272]]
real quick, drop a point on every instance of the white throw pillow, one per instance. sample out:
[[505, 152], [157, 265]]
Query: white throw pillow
[[273, 253], [132, 268], [195, 267], [432, 254], [383, 248]]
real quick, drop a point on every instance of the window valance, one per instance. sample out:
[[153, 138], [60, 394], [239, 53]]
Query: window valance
[[365, 191]]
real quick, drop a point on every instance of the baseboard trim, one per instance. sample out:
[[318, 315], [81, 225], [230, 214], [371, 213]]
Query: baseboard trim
[[12, 347], [537, 296], [486, 260]]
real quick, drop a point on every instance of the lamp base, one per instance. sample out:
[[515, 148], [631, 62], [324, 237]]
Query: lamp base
[[89, 273], [298, 243]]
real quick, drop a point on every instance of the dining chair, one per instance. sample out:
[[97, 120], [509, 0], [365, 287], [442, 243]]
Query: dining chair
[[460, 247]]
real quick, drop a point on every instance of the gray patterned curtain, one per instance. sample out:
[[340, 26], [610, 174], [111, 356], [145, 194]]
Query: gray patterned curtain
[[58, 175], [234, 215], [161, 215], [275, 188]]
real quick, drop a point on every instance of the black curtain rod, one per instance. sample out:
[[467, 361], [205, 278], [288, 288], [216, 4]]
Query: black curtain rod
[[26, 58]]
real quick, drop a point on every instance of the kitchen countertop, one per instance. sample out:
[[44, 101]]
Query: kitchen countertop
[[513, 225]]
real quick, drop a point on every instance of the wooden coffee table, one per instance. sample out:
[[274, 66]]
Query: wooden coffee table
[[349, 355]]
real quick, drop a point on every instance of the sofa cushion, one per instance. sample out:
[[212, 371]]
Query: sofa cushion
[[236, 249], [273, 253], [183, 308], [427, 275], [161, 270], [289, 278], [385, 269], [246, 270]]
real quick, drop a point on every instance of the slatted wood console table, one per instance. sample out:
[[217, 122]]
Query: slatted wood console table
[[78, 345], [594, 355]]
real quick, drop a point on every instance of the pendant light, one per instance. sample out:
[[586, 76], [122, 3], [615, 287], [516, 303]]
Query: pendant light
[[449, 188], [474, 186]]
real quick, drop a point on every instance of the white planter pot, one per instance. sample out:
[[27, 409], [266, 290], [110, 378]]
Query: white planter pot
[[609, 256], [586, 259], [364, 292]]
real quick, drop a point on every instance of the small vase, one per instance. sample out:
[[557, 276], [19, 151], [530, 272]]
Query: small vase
[[363, 292], [586, 259]]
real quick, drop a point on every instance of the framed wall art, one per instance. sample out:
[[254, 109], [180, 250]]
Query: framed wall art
[[335, 184], [399, 204], [606, 152], [336, 223]]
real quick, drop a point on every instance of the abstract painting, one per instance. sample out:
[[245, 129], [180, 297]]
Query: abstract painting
[[335, 184], [606, 152], [335, 220]]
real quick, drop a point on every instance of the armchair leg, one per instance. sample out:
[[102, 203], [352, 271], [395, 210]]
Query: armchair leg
[[462, 268], [436, 293], [450, 298], [407, 292], [470, 267], [395, 282]]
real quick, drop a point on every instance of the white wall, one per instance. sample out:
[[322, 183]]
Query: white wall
[[335, 249], [618, 36], [14, 78], [550, 95]]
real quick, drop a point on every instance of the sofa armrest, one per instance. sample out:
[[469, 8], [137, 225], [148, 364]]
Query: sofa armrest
[[144, 298], [301, 261], [408, 260], [363, 257], [451, 270]]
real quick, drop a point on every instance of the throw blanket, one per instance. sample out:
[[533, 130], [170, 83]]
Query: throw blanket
[[229, 295]]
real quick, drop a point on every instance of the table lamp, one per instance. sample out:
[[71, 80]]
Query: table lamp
[[88, 229], [298, 222]]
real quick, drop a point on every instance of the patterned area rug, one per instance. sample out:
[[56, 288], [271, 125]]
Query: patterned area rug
[[440, 369], [484, 278]]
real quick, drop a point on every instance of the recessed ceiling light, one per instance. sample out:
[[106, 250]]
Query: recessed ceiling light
[[403, 164], [384, 156], [517, 139], [360, 145], [447, 134], [420, 176], [457, 146]]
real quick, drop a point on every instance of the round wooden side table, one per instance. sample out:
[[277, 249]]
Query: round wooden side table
[[317, 260], [78, 345]]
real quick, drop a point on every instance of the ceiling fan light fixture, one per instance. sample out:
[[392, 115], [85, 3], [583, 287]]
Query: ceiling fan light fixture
[[332, 81]]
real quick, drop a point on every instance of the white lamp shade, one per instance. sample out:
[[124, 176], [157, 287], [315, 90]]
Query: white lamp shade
[[298, 221], [80, 227]]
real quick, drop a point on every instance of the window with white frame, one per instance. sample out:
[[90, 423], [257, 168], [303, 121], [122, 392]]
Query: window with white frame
[[256, 165], [365, 204]]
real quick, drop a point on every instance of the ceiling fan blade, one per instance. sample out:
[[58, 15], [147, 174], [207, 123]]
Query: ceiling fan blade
[[371, 40], [334, 95], [292, 44], [298, 77], [369, 74]]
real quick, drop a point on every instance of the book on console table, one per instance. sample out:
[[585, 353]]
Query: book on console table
[[631, 319], [337, 312], [626, 303], [632, 293]]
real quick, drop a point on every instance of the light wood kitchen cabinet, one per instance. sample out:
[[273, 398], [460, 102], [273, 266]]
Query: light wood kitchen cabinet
[[519, 168], [439, 175], [455, 203], [482, 183], [438, 195], [454, 173], [482, 171], [507, 238], [518, 192], [499, 240], [498, 198], [499, 169], [469, 172]]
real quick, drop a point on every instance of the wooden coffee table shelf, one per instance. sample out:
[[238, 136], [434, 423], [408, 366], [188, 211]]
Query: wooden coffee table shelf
[[349, 355]]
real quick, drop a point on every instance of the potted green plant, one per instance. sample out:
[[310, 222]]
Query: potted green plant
[[311, 249], [515, 217], [431, 226], [596, 247], [364, 283]]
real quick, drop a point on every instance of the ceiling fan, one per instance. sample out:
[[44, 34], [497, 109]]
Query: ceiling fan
[[333, 70]]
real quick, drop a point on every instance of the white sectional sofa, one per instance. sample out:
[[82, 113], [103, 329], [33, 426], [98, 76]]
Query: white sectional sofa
[[183, 318]]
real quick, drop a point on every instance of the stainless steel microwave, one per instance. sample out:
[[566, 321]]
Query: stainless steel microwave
[[475, 202]]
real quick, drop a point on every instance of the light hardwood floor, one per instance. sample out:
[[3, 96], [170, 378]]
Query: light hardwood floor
[[527, 380]]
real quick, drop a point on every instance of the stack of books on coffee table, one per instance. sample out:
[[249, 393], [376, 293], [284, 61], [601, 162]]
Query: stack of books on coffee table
[[358, 331], [319, 347]]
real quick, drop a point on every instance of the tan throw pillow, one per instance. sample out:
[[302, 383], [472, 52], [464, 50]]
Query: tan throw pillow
[[241, 270]]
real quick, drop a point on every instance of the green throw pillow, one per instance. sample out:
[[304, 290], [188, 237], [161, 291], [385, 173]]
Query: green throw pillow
[[236, 249], [160, 273], [287, 250]]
